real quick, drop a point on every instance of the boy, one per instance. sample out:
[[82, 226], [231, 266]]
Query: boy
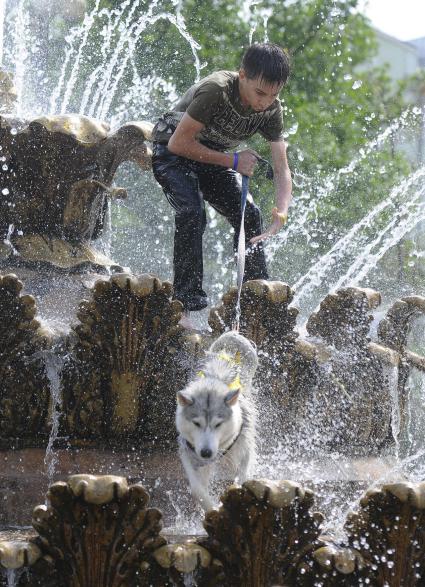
[[193, 160]]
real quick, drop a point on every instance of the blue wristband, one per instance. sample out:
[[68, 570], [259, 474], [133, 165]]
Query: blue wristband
[[235, 161]]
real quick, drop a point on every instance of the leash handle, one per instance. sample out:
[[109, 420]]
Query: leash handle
[[241, 251]]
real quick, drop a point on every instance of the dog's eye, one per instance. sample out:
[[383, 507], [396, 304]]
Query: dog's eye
[[197, 424], [219, 424]]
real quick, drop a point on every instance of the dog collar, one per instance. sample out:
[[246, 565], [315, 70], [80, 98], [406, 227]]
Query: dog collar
[[233, 442]]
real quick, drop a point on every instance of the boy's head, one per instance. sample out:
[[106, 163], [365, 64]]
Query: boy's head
[[263, 72]]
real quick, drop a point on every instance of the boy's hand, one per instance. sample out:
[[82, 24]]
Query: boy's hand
[[247, 162], [279, 219]]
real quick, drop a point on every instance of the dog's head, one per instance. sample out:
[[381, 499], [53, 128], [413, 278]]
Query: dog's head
[[209, 413]]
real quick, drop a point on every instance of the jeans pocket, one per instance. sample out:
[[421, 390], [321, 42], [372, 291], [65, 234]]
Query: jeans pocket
[[162, 159]]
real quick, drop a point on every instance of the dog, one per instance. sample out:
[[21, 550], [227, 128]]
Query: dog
[[215, 416]]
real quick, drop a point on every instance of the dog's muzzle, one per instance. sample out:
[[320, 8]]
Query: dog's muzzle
[[202, 460]]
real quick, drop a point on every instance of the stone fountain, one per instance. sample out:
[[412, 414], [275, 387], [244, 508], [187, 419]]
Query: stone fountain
[[87, 407]]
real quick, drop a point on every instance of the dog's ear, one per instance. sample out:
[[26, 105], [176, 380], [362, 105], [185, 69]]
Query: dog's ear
[[184, 399], [232, 397]]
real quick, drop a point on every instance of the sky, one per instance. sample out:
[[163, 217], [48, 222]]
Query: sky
[[404, 19]]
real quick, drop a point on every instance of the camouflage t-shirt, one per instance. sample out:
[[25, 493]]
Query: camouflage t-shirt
[[215, 102]]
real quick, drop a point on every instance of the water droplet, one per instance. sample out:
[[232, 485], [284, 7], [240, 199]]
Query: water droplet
[[5, 191], [293, 129]]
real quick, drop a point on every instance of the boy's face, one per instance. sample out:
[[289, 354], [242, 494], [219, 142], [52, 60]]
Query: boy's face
[[257, 93]]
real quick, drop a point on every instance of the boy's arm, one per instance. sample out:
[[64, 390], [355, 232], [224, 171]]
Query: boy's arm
[[184, 143], [283, 187]]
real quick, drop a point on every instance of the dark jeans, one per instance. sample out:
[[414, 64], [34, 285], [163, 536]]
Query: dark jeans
[[187, 184]]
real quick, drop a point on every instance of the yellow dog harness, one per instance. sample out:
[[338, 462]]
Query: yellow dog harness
[[236, 361]]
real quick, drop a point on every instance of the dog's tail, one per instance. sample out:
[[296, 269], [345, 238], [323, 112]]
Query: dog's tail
[[240, 350]]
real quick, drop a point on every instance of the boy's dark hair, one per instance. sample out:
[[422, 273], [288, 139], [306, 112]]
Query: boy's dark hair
[[266, 61]]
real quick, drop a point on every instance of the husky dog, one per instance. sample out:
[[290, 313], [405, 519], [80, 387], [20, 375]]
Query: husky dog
[[215, 416]]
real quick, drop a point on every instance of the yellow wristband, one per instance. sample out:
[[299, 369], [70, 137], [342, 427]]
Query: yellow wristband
[[282, 216]]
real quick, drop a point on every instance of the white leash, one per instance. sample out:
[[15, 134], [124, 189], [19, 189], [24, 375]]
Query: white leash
[[240, 263]]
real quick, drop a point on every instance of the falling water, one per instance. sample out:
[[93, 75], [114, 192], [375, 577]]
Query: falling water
[[2, 14], [265, 15], [186, 520], [117, 63], [391, 372], [246, 14], [53, 362], [12, 577], [361, 251], [82, 32], [307, 206], [252, 12], [189, 580], [104, 242], [22, 42], [107, 234], [121, 31], [8, 242]]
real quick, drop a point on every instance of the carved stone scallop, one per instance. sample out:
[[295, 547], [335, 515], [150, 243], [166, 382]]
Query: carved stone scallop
[[263, 533], [344, 317], [340, 380], [99, 532], [189, 563], [335, 566], [269, 323], [15, 554], [394, 329], [24, 388], [349, 393], [18, 560], [130, 359], [56, 203], [265, 317], [389, 532]]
